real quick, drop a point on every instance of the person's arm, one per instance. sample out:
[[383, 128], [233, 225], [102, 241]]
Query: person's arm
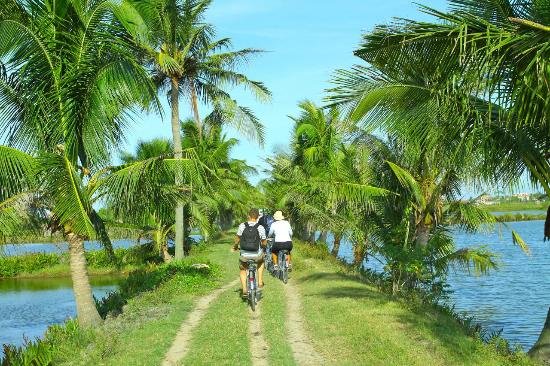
[[263, 238], [236, 243], [237, 240], [289, 229]]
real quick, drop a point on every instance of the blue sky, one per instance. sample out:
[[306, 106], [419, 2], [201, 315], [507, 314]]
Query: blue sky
[[305, 41]]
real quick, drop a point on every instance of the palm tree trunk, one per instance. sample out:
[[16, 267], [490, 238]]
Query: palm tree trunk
[[160, 240], [176, 137], [422, 234], [336, 246], [541, 349], [323, 237], [195, 108], [547, 225], [358, 254], [85, 304], [186, 228]]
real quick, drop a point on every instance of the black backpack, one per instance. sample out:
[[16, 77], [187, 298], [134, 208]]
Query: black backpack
[[250, 238]]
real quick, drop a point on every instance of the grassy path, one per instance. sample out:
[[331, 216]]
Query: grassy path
[[180, 346], [325, 315], [302, 348], [258, 344]]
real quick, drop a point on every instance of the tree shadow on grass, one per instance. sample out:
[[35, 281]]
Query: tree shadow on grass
[[450, 335], [355, 289], [329, 276], [351, 292]]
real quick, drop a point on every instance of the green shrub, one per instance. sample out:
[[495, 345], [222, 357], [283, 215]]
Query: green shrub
[[31, 353], [28, 263], [189, 279]]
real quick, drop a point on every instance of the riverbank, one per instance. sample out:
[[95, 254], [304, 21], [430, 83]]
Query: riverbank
[[43, 265], [346, 320], [518, 206]]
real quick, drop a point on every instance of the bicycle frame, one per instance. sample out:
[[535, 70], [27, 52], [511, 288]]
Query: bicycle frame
[[283, 265], [252, 283]]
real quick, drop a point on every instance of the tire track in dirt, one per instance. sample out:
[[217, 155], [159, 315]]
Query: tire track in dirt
[[302, 348], [258, 344], [180, 345]]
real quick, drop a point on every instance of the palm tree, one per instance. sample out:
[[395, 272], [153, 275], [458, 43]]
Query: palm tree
[[68, 79], [479, 66], [476, 75], [160, 222], [229, 191], [186, 60]]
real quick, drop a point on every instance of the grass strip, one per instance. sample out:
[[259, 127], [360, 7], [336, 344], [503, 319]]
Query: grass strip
[[273, 316], [222, 338], [353, 323]]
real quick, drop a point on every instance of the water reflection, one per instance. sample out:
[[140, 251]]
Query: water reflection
[[29, 306]]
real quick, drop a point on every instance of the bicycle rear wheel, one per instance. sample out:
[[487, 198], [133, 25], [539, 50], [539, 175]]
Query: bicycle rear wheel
[[252, 299]]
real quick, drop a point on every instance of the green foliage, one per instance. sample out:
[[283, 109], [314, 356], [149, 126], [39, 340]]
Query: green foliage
[[31, 353], [11, 266], [29, 263], [186, 277]]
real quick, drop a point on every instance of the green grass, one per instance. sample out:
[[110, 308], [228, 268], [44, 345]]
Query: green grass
[[273, 311], [518, 206], [222, 337], [352, 323], [348, 321], [143, 333]]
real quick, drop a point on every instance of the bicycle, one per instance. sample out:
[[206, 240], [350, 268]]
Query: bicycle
[[252, 284], [268, 260], [283, 265]]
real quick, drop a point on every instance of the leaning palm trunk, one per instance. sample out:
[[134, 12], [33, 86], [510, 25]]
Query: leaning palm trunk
[[541, 349], [176, 136], [85, 304], [336, 246], [547, 226]]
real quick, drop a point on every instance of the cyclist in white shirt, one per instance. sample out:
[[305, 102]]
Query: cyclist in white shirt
[[282, 232]]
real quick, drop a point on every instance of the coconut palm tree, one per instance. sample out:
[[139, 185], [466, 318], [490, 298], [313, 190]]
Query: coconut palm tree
[[479, 66], [475, 75], [229, 192], [186, 59], [158, 226], [69, 78]]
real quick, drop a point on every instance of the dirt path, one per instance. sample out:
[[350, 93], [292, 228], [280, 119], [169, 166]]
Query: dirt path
[[258, 345], [303, 350], [180, 346]]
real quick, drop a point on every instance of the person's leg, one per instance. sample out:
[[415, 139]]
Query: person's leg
[[275, 253], [242, 275], [261, 274]]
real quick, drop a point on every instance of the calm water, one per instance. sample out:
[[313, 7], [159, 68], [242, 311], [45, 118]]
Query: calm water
[[18, 249], [29, 306], [517, 296]]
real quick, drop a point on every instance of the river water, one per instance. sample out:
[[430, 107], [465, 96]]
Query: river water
[[514, 299], [29, 305]]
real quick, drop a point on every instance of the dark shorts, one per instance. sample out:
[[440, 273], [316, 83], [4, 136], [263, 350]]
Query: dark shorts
[[278, 245]]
